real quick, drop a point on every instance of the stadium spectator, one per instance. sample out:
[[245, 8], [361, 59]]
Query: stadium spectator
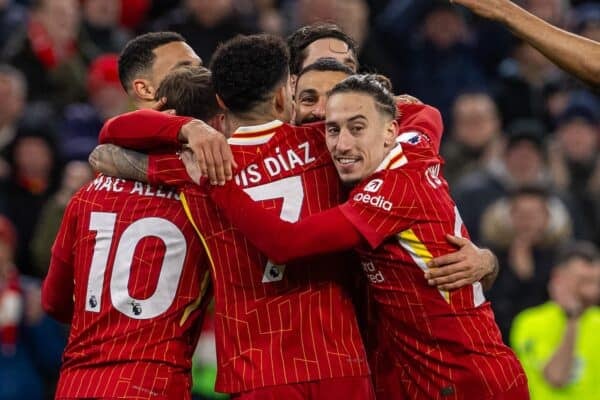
[[574, 163], [78, 131], [475, 140], [13, 97], [30, 343], [48, 52], [35, 171], [557, 341], [75, 175], [100, 27], [522, 163], [523, 229], [204, 24]]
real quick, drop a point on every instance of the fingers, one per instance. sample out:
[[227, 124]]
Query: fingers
[[229, 163], [457, 240], [446, 259], [455, 285], [211, 171], [160, 104], [436, 273]]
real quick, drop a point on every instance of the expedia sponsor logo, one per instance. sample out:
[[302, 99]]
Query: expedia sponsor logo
[[375, 201], [374, 185]]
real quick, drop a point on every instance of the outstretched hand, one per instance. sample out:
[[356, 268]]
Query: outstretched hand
[[469, 264]]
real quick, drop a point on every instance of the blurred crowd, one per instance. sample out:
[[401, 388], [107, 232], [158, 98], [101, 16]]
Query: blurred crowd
[[521, 143]]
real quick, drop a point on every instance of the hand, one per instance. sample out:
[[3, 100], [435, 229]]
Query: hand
[[191, 165], [211, 150], [561, 291], [491, 9], [407, 99], [464, 267]]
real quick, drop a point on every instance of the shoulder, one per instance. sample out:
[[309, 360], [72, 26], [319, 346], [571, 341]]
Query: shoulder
[[538, 318]]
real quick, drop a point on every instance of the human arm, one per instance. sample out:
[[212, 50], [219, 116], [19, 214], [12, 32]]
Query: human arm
[[157, 169], [469, 264], [577, 55], [57, 290], [421, 118], [558, 370], [148, 130], [59, 285], [282, 241]]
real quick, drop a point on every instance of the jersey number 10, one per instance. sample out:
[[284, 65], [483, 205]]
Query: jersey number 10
[[103, 224]]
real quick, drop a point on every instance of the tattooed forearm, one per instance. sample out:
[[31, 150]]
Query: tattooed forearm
[[116, 161]]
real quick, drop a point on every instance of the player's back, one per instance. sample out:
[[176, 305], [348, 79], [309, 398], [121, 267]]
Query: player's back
[[140, 292], [275, 324], [444, 343]]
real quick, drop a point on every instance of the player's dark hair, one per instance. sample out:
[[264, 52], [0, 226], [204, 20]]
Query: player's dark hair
[[247, 69], [137, 57], [377, 86], [577, 250], [189, 91], [303, 37], [326, 64]]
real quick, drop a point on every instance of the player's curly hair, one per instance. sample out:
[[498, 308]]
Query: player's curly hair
[[189, 91], [247, 69], [377, 86], [304, 36]]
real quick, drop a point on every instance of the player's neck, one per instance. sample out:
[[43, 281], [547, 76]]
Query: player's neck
[[251, 118]]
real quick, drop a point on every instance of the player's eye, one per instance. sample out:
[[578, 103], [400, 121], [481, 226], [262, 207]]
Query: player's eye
[[333, 130], [308, 101], [357, 129]]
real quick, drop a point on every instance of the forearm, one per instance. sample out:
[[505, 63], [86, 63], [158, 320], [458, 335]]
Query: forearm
[[144, 130], [576, 54], [116, 161], [557, 371], [322, 233]]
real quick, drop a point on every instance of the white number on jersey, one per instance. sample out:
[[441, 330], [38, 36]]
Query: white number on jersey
[[292, 192], [170, 273]]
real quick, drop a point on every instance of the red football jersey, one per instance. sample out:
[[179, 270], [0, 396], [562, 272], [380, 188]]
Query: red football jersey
[[275, 324], [141, 282], [431, 343]]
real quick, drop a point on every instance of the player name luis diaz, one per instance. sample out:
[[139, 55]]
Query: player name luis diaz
[[283, 160]]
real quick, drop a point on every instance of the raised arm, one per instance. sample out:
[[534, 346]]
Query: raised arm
[[281, 241], [577, 55]]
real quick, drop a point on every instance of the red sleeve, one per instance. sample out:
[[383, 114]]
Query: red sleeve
[[321, 233], [167, 169], [143, 130], [422, 118], [57, 290], [383, 206], [58, 287]]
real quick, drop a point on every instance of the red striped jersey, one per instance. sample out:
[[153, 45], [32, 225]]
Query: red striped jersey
[[141, 278], [431, 343], [278, 324]]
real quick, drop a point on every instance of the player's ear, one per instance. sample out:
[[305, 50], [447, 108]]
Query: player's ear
[[280, 99], [391, 132], [143, 89]]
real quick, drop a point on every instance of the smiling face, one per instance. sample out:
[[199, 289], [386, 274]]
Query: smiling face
[[359, 136], [311, 94]]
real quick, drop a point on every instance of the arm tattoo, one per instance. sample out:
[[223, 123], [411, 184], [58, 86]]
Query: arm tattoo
[[123, 163]]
